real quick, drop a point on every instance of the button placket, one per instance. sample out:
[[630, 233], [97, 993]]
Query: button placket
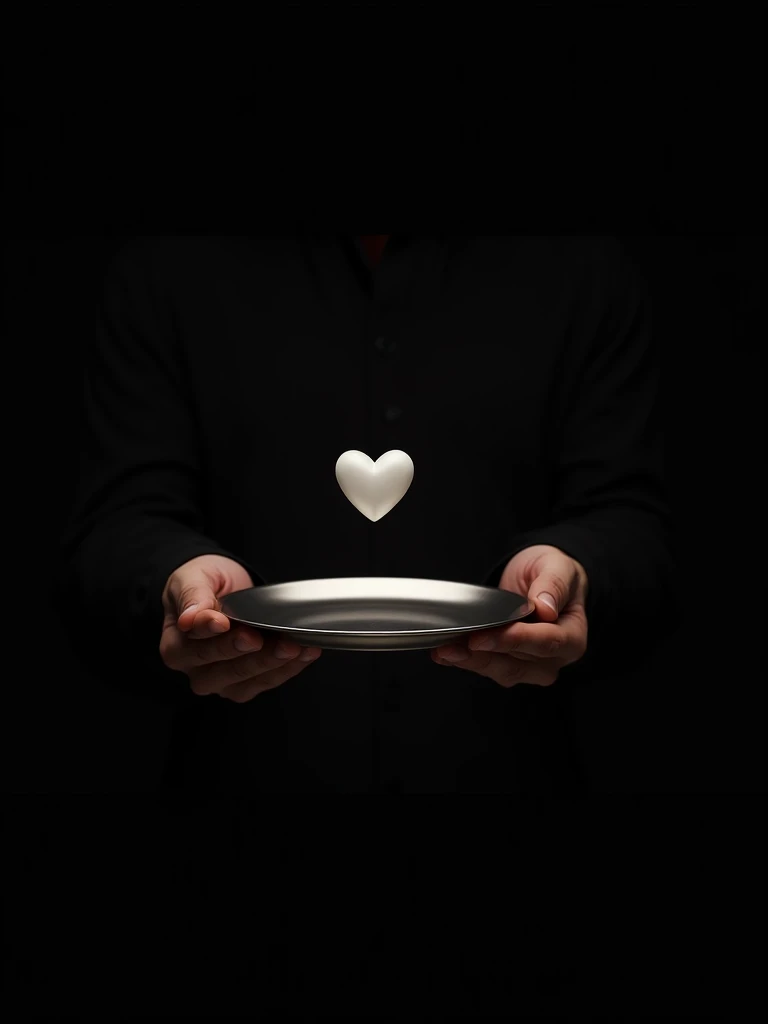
[[384, 378]]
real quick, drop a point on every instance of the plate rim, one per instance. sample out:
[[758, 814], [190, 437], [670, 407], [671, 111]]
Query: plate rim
[[374, 634]]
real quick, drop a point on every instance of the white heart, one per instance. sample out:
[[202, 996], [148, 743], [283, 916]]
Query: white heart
[[374, 488]]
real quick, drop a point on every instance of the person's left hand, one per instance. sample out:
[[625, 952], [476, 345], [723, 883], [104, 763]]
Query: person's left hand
[[531, 652]]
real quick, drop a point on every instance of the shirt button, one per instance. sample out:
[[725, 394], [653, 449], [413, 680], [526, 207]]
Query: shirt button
[[392, 413], [385, 346]]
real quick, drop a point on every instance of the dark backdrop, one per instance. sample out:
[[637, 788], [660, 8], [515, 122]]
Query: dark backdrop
[[657, 137], [646, 124]]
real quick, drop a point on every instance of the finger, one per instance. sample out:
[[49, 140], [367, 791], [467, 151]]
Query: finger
[[505, 670], [188, 594], [207, 623], [181, 652], [551, 590], [213, 678], [563, 639], [200, 619], [241, 693], [440, 652]]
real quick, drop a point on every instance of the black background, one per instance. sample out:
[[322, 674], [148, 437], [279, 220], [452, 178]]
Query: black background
[[650, 127], [650, 132]]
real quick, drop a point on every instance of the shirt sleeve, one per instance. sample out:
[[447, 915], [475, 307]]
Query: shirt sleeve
[[610, 508], [137, 513]]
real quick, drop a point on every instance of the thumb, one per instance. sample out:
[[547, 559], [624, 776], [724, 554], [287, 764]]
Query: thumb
[[190, 591], [551, 589]]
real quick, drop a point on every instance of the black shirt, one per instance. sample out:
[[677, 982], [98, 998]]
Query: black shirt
[[230, 373]]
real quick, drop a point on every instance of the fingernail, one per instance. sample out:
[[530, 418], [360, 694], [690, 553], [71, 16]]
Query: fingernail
[[244, 643], [549, 601], [189, 608], [455, 654], [308, 655], [283, 651], [217, 627], [484, 643]]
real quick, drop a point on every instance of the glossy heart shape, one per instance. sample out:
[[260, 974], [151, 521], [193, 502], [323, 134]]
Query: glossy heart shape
[[374, 488]]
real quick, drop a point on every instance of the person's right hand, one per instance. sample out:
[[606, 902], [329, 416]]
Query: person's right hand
[[218, 656]]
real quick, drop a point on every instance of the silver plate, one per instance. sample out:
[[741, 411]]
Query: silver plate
[[374, 613]]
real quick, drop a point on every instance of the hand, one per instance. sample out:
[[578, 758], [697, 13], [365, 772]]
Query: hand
[[197, 637], [531, 652]]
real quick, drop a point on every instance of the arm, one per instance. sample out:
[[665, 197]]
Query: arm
[[610, 510], [137, 513]]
